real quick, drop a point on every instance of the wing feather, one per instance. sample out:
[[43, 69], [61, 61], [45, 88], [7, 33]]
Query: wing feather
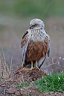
[[24, 39], [47, 40], [24, 45]]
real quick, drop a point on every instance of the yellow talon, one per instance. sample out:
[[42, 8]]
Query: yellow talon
[[31, 65], [37, 65]]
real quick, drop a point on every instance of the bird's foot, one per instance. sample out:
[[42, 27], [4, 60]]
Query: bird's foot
[[31, 65], [31, 68], [37, 65]]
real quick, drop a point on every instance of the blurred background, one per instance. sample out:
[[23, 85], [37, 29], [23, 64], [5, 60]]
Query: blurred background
[[15, 16]]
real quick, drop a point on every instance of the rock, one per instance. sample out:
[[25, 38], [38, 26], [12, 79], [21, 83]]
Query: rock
[[52, 94], [30, 91], [11, 90], [17, 93], [1, 95], [41, 95]]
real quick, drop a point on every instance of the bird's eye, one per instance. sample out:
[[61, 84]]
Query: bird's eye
[[31, 27], [35, 25]]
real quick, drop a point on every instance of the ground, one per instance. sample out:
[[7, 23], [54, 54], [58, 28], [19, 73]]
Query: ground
[[8, 86]]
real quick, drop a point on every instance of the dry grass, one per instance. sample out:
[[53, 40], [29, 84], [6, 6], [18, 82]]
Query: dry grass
[[5, 69]]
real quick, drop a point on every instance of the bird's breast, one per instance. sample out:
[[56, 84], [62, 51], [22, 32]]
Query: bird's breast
[[36, 50], [37, 35]]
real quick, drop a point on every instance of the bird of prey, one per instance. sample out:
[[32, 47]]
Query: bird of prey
[[35, 44]]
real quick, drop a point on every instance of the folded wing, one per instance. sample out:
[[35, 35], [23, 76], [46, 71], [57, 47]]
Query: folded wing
[[24, 44]]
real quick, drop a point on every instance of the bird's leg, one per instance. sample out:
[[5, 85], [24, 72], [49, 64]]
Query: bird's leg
[[31, 65], [37, 65], [22, 65]]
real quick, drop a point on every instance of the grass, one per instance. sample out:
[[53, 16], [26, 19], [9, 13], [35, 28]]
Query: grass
[[35, 7], [22, 84], [5, 69], [32, 7], [53, 82]]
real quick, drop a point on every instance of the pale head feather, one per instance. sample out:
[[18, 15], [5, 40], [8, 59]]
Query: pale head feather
[[38, 22]]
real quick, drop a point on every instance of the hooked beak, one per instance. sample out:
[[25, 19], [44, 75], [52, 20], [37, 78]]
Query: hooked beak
[[30, 27]]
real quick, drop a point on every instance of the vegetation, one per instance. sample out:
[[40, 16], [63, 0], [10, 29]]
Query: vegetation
[[53, 82], [22, 84], [32, 7]]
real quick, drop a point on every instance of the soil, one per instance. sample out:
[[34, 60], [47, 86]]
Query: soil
[[8, 86]]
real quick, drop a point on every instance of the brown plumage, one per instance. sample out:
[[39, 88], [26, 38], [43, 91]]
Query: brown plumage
[[36, 50], [35, 43]]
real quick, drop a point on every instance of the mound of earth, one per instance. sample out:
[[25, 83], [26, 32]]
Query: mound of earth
[[26, 74], [8, 86]]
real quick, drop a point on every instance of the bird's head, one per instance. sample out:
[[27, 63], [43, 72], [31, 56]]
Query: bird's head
[[36, 24]]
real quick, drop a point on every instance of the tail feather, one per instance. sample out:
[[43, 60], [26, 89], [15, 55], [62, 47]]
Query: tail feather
[[41, 61]]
